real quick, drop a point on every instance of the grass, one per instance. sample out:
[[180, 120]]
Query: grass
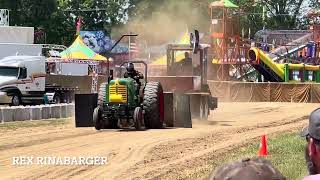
[[28, 124], [286, 152]]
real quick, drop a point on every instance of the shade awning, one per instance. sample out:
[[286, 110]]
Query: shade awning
[[78, 50], [223, 3]]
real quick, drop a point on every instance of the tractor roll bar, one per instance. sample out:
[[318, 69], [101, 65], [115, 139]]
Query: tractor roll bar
[[137, 62], [110, 50], [125, 35]]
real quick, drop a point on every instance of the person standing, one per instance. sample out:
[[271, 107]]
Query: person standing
[[312, 150]]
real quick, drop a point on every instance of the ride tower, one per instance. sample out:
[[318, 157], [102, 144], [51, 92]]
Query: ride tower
[[315, 28], [229, 50]]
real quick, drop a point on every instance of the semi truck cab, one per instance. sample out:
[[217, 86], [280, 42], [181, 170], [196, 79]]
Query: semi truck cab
[[22, 79]]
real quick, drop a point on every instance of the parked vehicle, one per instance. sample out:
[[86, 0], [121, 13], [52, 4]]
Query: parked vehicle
[[23, 81]]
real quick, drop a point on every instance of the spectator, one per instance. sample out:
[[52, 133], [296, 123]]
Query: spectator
[[312, 135], [301, 57], [310, 166], [248, 169]]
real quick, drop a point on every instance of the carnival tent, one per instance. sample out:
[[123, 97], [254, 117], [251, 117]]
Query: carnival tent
[[78, 50], [223, 3]]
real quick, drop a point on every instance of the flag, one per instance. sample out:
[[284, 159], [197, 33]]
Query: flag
[[133, 48], [78, 25]]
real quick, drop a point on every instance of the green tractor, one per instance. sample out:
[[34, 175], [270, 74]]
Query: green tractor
[[122, 104]]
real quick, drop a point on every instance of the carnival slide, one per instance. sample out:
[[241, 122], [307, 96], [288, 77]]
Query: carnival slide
[[272, 71], [266, 66], [280, 53]]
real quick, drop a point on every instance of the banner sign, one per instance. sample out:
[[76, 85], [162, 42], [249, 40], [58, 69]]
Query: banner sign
[[100, 43]]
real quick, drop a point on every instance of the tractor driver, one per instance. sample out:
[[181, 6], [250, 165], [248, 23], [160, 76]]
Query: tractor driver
[[134, 74], [186, 64], [187, 57]]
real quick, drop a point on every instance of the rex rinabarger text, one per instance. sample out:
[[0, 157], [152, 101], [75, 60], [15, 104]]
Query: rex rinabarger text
[[59, 161]]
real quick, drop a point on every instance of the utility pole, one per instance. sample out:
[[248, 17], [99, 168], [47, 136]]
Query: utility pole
[[129, 46], [263, 2], [264, 22]]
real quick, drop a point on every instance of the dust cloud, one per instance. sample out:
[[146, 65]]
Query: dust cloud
[[162, 22]]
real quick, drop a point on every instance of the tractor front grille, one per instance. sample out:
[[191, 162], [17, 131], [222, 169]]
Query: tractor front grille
[[119, 90]]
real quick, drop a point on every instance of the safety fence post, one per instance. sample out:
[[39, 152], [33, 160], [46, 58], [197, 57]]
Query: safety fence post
[[305, 74], [286, 72], [318, 76]]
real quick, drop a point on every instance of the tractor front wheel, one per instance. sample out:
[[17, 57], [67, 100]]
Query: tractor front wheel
[[204, 108], [97, 118], [138, 118]]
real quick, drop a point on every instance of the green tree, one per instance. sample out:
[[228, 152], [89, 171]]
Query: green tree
[[58, 17], [34, 13], [286, 14], [280, 14], [96, 14], [13, 6]]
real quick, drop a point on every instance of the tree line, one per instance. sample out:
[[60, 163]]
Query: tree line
[[57, 18]]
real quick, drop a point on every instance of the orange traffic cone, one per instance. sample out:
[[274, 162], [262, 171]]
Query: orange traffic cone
[[263, 151]]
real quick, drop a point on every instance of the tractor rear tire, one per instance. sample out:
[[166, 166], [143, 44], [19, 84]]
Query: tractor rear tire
[[102, 94], [138, 118], [97, 121], [204, 108], [153, 104]]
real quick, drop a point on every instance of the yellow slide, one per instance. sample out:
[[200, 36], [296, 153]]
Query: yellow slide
[[255, 54], [179, 55]]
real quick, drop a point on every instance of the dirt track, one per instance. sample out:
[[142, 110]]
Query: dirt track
[[166, 153]]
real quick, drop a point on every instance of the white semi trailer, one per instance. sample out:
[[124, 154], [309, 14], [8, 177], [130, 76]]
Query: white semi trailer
[[23, 80]]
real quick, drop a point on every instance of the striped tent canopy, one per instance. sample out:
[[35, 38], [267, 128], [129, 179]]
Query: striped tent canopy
[[78, 50], [223, 3]]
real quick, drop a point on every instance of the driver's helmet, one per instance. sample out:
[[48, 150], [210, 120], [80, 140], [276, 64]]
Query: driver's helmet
[[130, 67]]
